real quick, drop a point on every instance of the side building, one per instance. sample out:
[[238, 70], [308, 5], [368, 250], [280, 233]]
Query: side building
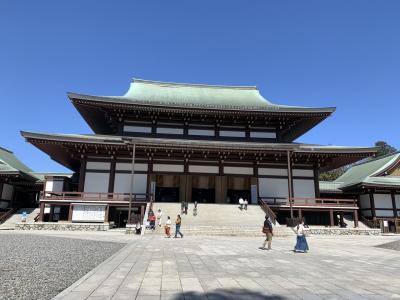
[[169, 142], [376, 185]]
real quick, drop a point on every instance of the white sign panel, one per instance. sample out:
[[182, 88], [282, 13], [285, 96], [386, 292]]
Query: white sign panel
[[88, 213]]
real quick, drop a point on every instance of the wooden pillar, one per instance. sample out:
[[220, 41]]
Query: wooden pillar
[[355, 214], [372, 204], [41, 212], [341, 218], [316, 183], [182, 188], [70, 212], [394, 205], [1, 189], [290, 182], [188, 194], [112, 177], [107, 213], [300, 213], [142, 212], [132, 182], [82, 173], [331, 221]]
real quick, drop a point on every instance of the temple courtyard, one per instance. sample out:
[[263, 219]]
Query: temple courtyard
[[113, 265]]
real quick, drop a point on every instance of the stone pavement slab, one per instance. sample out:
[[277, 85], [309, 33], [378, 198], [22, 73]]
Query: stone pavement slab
[[151, 267]]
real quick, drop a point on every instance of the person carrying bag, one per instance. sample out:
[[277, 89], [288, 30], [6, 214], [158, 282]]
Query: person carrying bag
[[269, 232]]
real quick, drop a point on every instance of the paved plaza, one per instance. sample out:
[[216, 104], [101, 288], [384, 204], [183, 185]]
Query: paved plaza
[[153, 267]]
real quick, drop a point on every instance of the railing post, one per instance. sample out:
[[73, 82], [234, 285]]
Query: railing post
[[41, 213], [355, 218]]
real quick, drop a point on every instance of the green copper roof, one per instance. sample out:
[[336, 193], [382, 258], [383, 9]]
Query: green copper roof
[[330, 186], [370, 172], [197, 95], [371, 168], [10, 164]]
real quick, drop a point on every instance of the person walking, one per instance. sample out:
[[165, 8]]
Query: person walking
[[159, 217], [301, 242], [168, 227], [195, 208], [178, 223], [269, 232], [241, 202], [245, 203], [152, 219]]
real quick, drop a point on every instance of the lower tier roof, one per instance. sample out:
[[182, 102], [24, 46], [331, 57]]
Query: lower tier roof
[[68, 148]]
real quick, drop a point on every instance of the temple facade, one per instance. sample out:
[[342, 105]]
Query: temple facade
[[169, 142]]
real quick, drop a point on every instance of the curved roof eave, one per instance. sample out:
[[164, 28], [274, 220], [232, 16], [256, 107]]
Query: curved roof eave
[[268, 108], [94, 138]]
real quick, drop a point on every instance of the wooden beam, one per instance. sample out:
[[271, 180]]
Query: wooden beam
[[355, 218], [372, 205], [112, 177], [82, 173], [394, 204], [70, 210], [331, 221], [41, 212]]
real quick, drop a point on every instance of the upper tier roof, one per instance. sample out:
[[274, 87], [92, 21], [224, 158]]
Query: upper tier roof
[[158, 93]]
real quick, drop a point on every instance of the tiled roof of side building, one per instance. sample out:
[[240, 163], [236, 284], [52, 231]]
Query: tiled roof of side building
[[369, 170], [10, 164], [197, 95]]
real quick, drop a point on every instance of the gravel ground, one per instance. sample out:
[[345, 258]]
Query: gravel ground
[[39, 267], [392, 245]]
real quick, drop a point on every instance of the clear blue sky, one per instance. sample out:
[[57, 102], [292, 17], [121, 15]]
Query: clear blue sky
[[310, 53]]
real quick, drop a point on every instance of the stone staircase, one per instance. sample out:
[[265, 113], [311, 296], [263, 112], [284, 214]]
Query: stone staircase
[[16, 218], [218, 220]]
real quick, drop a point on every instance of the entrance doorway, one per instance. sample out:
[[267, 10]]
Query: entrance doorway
[[167, 188], [203, 189], [238, 187], [118, 216]]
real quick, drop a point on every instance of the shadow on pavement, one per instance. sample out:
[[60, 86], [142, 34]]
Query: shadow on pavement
[[228, 294]]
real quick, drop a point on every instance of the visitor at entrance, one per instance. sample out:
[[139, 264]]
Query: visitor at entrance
[[301, 242], [241, 203], [195, 208], [159, 217], [178, 224], [182, 207], [268, 230], [186, 207], [168, 227], [245, 203]]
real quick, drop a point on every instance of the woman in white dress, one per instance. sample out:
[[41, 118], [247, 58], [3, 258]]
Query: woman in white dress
[[301, 242]]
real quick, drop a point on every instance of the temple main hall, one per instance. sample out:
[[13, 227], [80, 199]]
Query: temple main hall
[[171, 142]]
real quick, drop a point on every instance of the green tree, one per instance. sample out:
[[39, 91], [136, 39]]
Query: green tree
[[384, 148], [333, 174]]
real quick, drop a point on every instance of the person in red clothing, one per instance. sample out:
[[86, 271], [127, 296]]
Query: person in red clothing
[[152, 220]]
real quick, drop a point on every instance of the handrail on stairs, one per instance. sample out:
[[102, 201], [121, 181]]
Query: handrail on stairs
[[5, 216], [268, 211]]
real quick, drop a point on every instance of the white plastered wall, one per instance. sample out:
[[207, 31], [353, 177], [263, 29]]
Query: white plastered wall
[[273, 187], [397, 198], [383, 201], [122, 183], [238, 170], [304, 188], [96, 182], [203, 169]]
